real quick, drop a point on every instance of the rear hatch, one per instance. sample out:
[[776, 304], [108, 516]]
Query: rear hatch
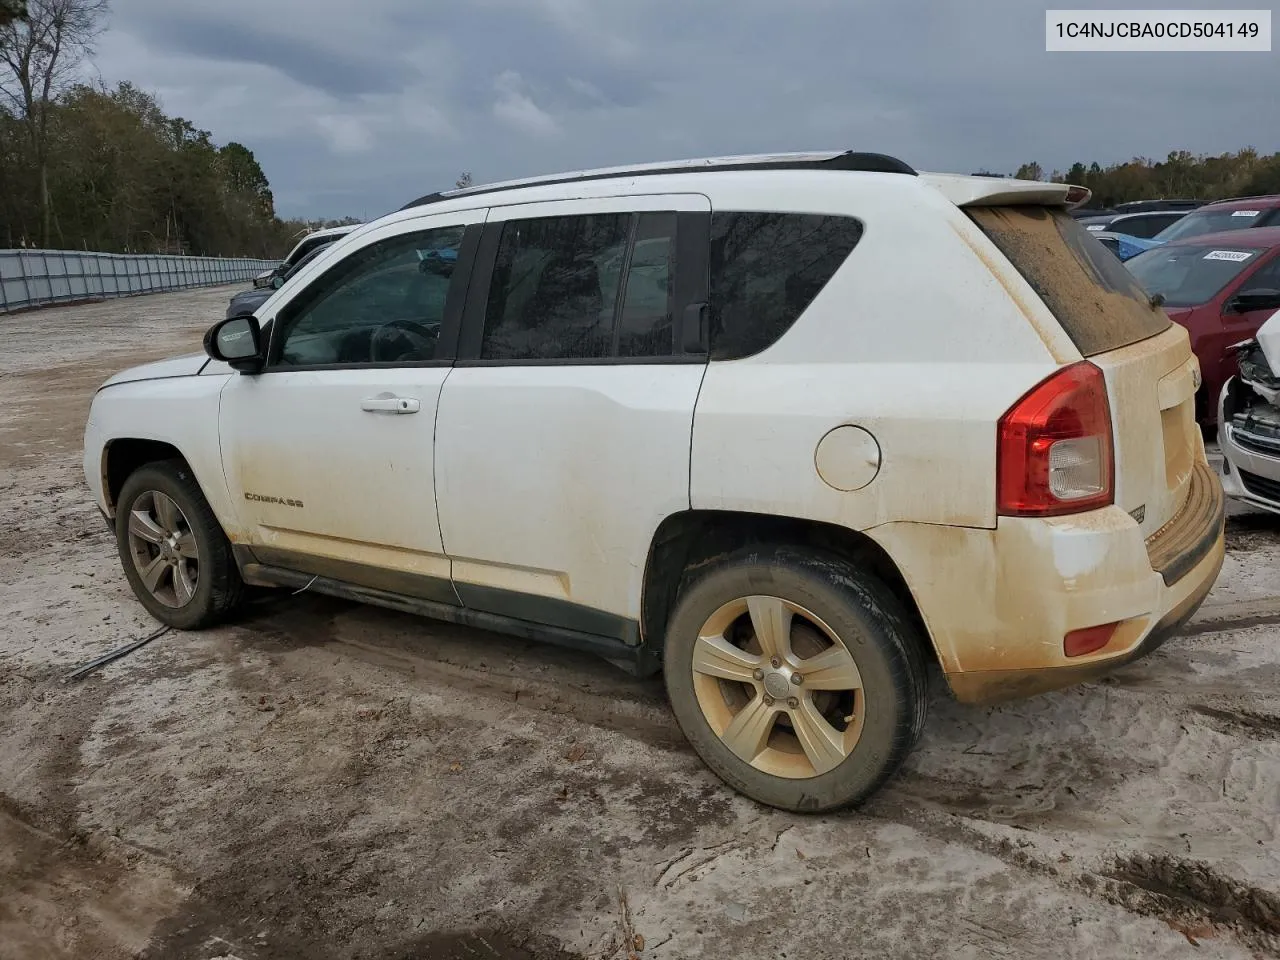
[[1151, 373]]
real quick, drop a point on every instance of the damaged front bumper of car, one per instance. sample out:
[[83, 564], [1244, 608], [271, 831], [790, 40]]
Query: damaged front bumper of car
[[1249, 422]]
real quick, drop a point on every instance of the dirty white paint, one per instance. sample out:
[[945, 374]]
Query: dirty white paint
[[847, 458], [551, 479]]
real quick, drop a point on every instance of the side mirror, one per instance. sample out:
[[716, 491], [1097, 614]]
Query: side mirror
[[1256, 299], [277, 283], [236, 341]]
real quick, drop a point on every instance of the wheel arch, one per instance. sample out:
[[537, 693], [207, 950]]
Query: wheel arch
[[122, 456], [690, 540]]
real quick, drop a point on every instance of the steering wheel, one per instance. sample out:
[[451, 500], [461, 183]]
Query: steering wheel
[[402, 340]]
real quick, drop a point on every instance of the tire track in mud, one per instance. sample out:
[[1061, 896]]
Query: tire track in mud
[[1250, 723], [523, 674], [1188, 895], [1034, 798]]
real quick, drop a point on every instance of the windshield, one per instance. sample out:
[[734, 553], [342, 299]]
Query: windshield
[[1212, 221], [1191, 274]]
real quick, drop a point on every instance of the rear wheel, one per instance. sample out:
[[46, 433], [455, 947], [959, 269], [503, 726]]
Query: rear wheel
[[798, 679], [175, 555]]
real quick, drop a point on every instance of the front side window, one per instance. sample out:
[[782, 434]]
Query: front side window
[[582, 287], [1265, 280], [1187, 275], [766, 268], [383, 303]]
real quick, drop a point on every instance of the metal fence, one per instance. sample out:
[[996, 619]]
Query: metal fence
[[32, 278]]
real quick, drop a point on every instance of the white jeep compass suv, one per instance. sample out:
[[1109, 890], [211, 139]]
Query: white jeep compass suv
[[787, 428]]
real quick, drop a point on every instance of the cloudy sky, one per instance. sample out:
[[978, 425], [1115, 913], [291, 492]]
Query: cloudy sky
[[355, 106]]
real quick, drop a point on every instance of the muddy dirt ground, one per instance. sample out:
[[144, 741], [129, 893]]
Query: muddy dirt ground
[[322, 780]]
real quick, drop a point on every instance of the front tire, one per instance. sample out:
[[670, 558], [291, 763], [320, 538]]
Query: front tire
[[798, 679], [175, 555]]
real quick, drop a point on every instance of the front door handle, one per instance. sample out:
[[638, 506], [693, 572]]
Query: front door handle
[[390, 405]]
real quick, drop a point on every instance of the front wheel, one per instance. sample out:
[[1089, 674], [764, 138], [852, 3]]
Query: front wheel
[[175, 555], [798, 679]]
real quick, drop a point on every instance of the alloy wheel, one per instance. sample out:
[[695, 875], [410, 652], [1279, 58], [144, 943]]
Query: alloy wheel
[[778, 687], [164, 549]]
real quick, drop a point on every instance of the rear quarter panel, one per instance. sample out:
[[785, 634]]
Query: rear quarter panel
[[924, 337]]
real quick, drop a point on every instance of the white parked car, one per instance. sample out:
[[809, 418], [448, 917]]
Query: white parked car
[[789, 428], [311, 242], [1249, 421]]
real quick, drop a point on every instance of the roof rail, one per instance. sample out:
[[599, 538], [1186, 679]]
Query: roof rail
[[848, 160], [1158, 205], [1256, 196]]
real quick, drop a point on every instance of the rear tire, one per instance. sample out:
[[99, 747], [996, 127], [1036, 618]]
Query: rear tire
[[174, 553], [798, 679]]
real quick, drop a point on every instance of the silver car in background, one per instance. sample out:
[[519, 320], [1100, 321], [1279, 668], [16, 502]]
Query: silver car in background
[[1249, 421]]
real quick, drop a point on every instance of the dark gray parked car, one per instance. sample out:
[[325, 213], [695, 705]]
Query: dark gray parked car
[[1143, 225]]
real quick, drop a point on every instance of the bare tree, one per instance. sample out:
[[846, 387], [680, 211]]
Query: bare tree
[[464, 181], [38, 59]]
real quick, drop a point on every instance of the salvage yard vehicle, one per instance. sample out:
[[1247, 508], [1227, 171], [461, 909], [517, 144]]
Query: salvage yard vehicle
[[247, 301], [312, 241], [1221, 287], [1250, 417], [1122, 245], [1238, 213], [710, 418], [1142, 225]]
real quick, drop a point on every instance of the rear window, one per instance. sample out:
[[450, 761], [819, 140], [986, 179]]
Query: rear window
[[766, 268], [1188, 275], [1098, 302]]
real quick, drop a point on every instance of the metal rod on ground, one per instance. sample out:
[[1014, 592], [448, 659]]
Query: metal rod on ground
[[103, 660]]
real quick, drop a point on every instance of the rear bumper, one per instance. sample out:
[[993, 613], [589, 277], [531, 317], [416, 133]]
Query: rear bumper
[[998, 603], [991, 686]]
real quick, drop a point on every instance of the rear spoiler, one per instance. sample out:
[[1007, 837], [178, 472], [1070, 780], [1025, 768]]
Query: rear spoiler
[[966, 191]]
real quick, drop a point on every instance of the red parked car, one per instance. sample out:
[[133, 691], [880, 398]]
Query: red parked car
[[1221, 287], [1238, 213]]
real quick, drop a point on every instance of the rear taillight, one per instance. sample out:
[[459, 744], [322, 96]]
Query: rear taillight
[[1054, 453]]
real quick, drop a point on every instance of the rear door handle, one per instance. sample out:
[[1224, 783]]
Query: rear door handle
[[390, 405]]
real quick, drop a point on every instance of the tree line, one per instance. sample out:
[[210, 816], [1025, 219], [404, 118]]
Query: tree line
[[1181, 175], [89, 167]]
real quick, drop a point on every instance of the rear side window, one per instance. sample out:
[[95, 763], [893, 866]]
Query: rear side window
[[1098, 302], [766, 268]]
